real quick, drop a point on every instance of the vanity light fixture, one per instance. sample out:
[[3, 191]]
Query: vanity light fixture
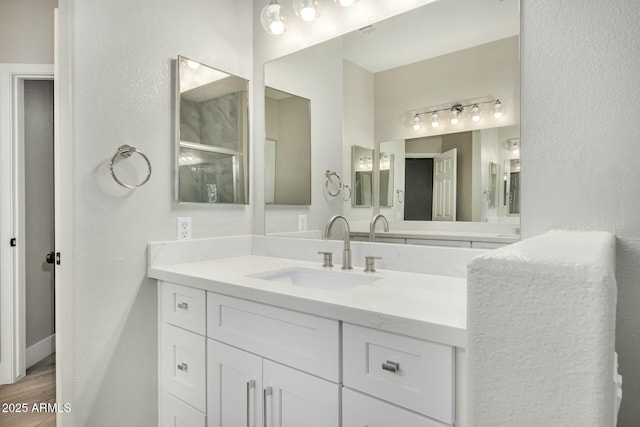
[[345, 3], [307, 10], [272, 19], [454, 112]]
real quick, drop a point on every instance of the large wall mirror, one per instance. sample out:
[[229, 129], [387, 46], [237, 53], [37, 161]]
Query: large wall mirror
[[212, 141], [366, 88]]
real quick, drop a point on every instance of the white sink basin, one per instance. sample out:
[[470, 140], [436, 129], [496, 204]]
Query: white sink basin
[[320, 279]]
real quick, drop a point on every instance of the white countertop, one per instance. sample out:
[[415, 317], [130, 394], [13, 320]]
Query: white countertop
[[424, 306]]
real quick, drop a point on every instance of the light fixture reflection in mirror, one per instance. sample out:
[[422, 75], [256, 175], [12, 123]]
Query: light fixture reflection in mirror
[[212, 136]]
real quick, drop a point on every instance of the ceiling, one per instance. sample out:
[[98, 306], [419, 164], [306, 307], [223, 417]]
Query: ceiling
[[436, 29]]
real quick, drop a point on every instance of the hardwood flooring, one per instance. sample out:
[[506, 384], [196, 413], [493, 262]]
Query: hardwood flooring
[[39, 386]]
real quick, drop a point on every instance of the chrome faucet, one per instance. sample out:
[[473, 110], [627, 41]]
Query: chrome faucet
[[372, 226], [346, 253]]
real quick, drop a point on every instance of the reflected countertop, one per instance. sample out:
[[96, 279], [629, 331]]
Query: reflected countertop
[[475, 236], [425, 306]]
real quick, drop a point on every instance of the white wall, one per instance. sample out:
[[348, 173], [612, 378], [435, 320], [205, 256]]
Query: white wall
[[120, 85], [26, 31], [581, 144]]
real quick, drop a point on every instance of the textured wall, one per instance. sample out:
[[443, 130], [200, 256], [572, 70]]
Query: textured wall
[[581, 144], [121, 87]]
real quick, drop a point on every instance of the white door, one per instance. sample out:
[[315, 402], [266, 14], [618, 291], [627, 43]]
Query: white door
[[294, 399], [234, 387], [444, 186]]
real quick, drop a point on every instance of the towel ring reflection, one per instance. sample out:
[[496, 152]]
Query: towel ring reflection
[[347, 189], [126, 151], [337, 182], [400, 195]]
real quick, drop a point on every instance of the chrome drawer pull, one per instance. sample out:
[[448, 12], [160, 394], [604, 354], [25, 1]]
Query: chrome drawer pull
[[250, 385], [183, 367], [266, 393], [183, 306], [391, 366]]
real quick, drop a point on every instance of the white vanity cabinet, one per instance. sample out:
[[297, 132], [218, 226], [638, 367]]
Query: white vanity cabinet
[[227, 361]]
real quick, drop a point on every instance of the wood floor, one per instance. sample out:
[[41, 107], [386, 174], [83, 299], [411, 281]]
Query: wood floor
[[39, 386]]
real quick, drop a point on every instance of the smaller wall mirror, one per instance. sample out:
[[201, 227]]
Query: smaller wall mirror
[[492, 191], [362, 176], [212, 141], [288, 148], [512, 186]]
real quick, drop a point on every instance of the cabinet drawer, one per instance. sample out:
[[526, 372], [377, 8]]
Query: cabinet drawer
[[359, 410], [184, 365], [418, 375], [487, 245], [305, 342], [184, 307], [178, 414]]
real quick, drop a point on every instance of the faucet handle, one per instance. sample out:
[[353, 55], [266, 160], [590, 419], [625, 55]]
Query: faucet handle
[[327, 260], [370, 263]]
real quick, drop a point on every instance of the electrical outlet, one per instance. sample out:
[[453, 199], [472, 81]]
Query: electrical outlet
[[184, 228], [302, 223]]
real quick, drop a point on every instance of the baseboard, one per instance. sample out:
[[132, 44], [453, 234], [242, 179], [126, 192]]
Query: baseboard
[[40, 350]]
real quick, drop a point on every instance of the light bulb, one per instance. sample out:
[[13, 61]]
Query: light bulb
[[345, 3], [435, 122], [271, 18], [417, 123], [455, 114], [498, 109], [475, 113], [307, 10]]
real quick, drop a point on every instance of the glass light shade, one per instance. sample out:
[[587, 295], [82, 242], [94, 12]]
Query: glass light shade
[[416, 122], [345, 3], [475, 113], [498, 109], [271, 18], [455, 117], [435, 121], [307, 10]]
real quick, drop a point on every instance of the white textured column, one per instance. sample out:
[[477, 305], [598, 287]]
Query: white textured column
[[541, 332]]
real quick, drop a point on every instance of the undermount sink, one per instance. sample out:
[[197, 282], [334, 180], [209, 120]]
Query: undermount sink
[[310, 278]]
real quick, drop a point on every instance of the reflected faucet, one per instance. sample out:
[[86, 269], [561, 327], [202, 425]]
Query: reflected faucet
[[372, 226], [346, 253]]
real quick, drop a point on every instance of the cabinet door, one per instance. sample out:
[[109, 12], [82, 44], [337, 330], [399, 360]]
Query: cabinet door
[[294, 399], [234, 384], [178, 414]]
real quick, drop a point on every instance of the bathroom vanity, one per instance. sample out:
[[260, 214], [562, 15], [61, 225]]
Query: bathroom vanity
[[269, 341]]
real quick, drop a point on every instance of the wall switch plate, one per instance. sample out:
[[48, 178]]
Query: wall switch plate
[[302, 223], [184, 228]]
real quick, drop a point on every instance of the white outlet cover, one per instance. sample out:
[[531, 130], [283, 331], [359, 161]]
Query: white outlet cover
[[184, 228]]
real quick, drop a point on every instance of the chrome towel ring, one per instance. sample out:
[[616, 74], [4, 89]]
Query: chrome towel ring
[[126, 151], [336, 182]]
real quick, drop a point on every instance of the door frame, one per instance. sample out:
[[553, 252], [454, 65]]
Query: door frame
[[12, 218]]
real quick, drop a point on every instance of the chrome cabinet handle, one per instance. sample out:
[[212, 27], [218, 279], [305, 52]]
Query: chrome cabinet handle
[[391, 366], [183, 306], [250, 385], [183, 367], [266, 393]]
